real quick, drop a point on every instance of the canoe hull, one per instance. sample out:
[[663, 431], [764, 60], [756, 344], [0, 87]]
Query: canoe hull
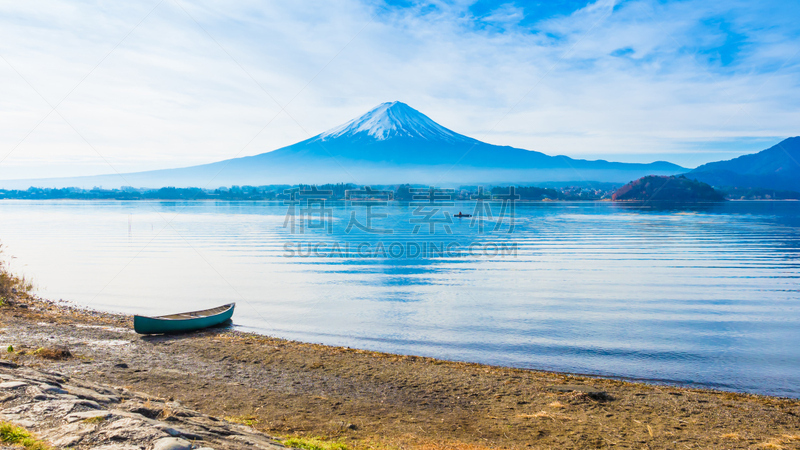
[[162, 325]]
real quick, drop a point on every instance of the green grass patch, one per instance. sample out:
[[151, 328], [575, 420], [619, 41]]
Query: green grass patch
[[250, 421], [95, 419], [10, 434], [314, 444]]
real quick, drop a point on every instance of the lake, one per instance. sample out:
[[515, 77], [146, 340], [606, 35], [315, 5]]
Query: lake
[[706, 296]]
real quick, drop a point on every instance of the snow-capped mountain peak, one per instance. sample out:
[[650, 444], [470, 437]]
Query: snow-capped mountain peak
[[390, 120]]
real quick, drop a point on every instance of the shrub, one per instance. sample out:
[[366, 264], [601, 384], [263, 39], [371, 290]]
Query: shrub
[[10, 434]]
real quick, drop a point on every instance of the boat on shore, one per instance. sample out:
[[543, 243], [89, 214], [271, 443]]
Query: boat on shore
[[183, 322]]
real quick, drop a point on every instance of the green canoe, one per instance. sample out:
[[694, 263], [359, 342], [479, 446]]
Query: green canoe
[[188, 321]]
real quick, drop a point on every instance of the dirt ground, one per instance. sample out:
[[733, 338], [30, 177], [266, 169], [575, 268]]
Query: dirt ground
[[377, 400]]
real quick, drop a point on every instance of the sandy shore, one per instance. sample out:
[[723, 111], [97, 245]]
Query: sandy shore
[[376, 400]]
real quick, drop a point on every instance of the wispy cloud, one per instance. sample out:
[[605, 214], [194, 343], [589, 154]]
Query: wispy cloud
[[200, 81]]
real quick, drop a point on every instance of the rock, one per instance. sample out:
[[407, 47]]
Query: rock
[[87, 415], [172, 444], [100, 389], [24, 423], [68, 441], [48, 403], [47, 389], [179, 433], [219, 431], [90, 394], [117, 447], [131, 430], [150, 413], [37, 377], [120, 366], [45, 409]]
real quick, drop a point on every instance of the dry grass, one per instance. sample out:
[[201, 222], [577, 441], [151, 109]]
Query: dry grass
[[450, 446], [545, 415], [557, 404], [53, 353], [10, 284], [166, 413], [780, 442]]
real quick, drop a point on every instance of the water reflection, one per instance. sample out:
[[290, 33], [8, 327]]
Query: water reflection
[[704, 295]]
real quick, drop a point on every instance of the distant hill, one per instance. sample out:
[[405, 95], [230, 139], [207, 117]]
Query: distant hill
[[777, 167], [391, 144], [667, 189]]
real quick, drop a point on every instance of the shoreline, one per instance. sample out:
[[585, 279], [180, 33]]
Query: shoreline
[[112, 315], [116, 316], [370, 399]]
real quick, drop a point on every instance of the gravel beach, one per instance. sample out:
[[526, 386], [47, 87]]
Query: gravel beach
[[367, 399]]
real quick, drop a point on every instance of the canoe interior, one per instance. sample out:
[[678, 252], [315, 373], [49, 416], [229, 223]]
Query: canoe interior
[[197, 314]]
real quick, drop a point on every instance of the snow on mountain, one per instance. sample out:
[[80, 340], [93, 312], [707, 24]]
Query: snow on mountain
[[391, 120]]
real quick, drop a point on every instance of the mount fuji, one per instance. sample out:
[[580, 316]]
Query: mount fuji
[[392, 143]]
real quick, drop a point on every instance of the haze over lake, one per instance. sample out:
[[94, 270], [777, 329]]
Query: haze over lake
[[705, 296]]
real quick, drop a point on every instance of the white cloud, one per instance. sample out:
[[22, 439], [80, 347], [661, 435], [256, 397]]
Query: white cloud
[[635, 81]]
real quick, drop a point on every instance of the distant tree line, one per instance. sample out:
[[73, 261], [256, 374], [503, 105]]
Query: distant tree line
[[403, 192], [650, 188]]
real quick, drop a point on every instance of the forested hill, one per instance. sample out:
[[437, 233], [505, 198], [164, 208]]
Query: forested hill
[[667, 189]]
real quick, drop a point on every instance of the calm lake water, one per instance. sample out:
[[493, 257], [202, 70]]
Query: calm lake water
[[704, 296]]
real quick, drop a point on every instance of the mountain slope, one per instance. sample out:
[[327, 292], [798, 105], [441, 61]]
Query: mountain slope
[[392, 143], [396, 133], [777, 167]]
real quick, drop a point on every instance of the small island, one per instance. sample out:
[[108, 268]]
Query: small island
[[653, 188]]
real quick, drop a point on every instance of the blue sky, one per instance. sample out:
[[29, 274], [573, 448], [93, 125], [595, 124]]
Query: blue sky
[[103, 87]]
